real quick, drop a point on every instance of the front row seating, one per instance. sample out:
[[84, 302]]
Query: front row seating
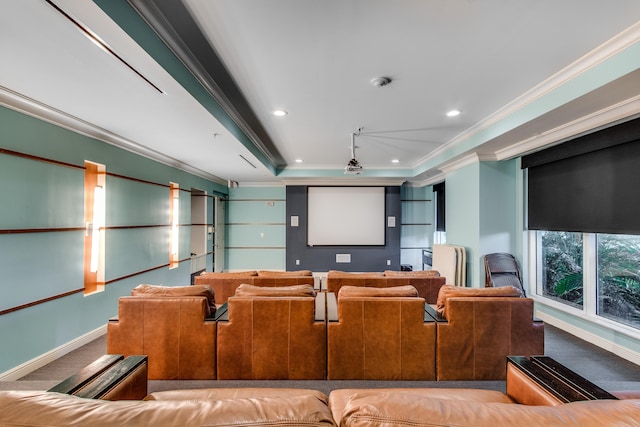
[[539, 392]]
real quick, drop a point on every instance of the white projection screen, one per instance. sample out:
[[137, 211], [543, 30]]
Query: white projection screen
[[343, 216]]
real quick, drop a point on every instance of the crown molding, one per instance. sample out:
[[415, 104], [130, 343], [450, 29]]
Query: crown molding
[[609, 116], [29, 106], [600, 54], [460, 162], [429, 181]]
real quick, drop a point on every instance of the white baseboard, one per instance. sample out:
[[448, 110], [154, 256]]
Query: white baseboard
[[596, 340], [48, 357]]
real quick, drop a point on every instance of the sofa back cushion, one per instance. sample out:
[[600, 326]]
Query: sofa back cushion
[[38, 408], [230, 274], [274, 273], [206, 291], [246, 290], [450, 291], [425, 273], [339, 273], [361, 291], [404, 409]]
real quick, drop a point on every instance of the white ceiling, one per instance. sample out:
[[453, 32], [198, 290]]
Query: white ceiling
[[314, 59]]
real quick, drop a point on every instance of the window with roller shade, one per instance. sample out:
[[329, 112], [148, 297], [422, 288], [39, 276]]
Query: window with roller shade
[[583, 198]]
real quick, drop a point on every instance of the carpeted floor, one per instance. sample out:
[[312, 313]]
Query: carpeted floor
[[600, 366]]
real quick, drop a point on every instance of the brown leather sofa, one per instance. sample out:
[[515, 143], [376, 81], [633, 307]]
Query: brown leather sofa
[[224, 284], [345, 407], [427, 282], [478, 327], [379, 334], [273, 333], [176, 331]]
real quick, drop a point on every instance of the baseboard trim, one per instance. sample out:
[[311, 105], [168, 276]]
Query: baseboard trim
[[48, 357], [596, 340]]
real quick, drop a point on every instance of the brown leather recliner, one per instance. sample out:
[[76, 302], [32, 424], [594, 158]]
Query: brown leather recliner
[[273, 333], [380, 334], [428, 283], [479, 327], [176, 333], [224, 284]]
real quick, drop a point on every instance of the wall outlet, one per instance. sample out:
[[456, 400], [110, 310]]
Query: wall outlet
[[297, 262], [343, 258], [388, 262]]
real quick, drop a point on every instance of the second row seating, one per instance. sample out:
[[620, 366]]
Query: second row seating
[[369, 333]]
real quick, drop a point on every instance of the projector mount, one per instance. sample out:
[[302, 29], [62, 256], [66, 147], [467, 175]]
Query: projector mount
[[353, 167]]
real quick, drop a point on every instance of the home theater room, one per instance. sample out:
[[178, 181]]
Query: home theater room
[[319, 213]]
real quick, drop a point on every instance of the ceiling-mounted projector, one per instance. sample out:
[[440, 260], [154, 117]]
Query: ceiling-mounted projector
[[353, 167]]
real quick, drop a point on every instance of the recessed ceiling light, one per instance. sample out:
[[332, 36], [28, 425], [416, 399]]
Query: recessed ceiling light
[[280, 113], [298, 160], [395, 161], [453, 113]]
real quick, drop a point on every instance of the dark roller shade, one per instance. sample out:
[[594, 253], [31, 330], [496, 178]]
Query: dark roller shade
[[588, 184]]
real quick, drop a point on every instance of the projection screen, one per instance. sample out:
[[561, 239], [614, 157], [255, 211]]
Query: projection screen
[[343, 216]]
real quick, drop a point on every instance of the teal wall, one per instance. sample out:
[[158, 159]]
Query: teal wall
[[498, 209], [462, 216], [256, 228], [42, 233], [417, 224], [482, 212]]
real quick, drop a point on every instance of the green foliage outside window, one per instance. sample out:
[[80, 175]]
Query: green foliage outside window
[[562, 266], [619, 278], [618, 273]]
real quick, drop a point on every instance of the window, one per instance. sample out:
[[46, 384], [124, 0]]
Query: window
[[174, 218], [94, 218], [618, 287], [607, 287], [585, 190], [561, 266]]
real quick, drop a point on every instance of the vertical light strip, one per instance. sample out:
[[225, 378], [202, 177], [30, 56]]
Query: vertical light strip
[[174, 235], [95, 220], [97, 227]]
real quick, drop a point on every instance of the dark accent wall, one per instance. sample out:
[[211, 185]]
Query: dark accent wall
[[323, 258]]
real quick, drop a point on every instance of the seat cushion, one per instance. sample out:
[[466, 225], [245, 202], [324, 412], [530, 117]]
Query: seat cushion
[[361, 291], [246, 290], [450, 291]]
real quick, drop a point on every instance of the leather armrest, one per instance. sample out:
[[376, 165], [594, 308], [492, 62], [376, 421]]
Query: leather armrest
[[433, 314], [543, 381], [428, 318], [87, 374], [321, 307], [126, 380], [222, 313], [566, 375], [332, 307]]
